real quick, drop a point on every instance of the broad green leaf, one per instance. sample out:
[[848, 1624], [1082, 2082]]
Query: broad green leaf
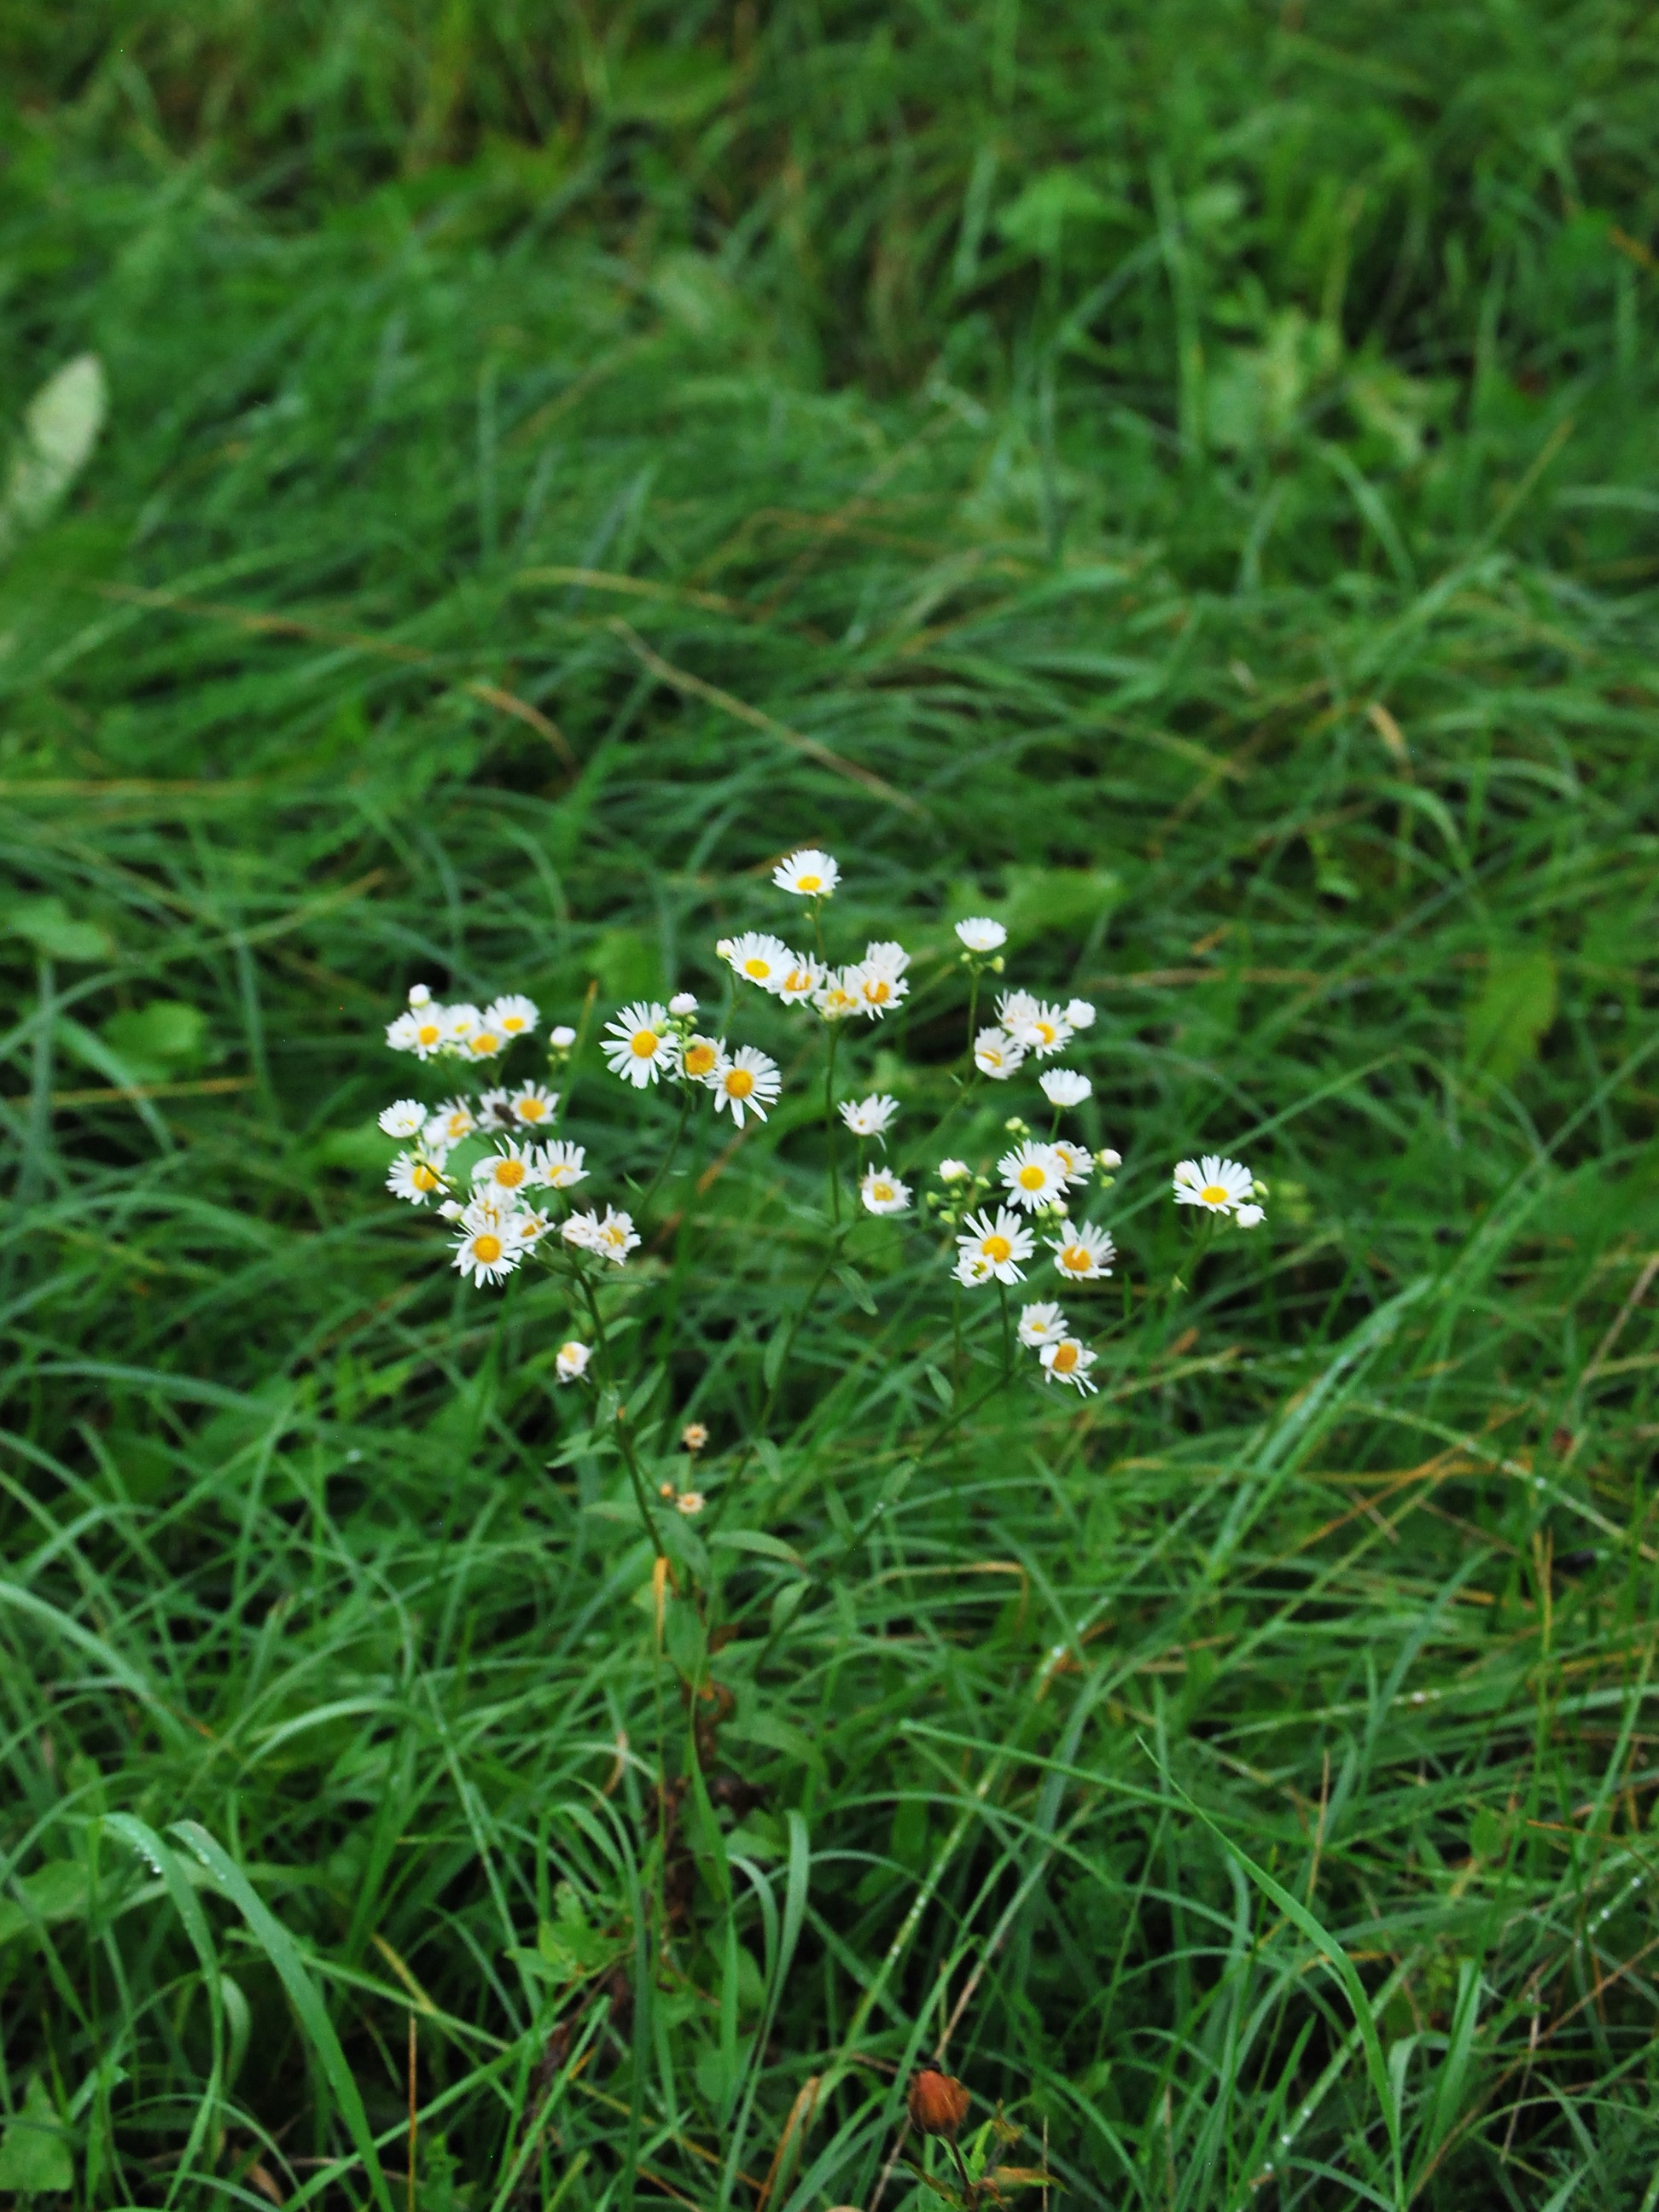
[[1508, 1017], [48, 925], [34, 2151], [157, 1040], [56, 1893]]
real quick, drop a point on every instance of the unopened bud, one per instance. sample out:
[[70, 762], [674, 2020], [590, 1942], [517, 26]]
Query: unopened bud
[[1107, 1158], [562, 1038], [682, 1003], [938, 2103], [1016, 1127]]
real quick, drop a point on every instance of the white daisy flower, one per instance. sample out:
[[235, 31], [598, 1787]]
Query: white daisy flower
[[639, 1047], [839, 995], [1041, 1324], [460, 1021], [973, 1268], [1074, 1159], [580, 1230], [748, 1082], [1247, 1217], [1217, 1184], [414, 1177], [871, 1116], [484, 1042], [1078, 1014], [486, 1248], [450, 1211], [1043, 1030], [760, 958], [1082, 1254], [1068, 1361], [528, 1227], [419, 995], [514, 1015], [451, 1121], [700, 1056], [532, 1105], [1034, 1175], [997, 1055], [570, 1362], [884, 1194], [690, 1502], [421, 1031], [980, 934], [494, 1111], [693, 1435], [682, 1004], [954, 1172], [803, 978], [562, 1038], [615, 1237], [404, 1117], [512, 1168], [1015, 1007], [560, 1165], [877, 984], [1002, 1240], [886, 952], [1064, 1086], [808, 873]]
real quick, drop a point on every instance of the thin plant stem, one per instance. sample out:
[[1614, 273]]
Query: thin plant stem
[[625, 1443]]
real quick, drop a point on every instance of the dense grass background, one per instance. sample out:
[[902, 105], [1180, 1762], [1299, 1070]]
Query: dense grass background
[[1182, 478]]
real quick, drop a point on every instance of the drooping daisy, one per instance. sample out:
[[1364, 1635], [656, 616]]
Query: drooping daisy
[[838, 995], [760, 958], [532, 1105], [1068, 1361], [580, 1230], [871, 1116], [700, 1056], [1001, 1240], [640, 1047], [884, 1194], [451, 1121], [1074, 1159], [615, 1237], [570, 1362], [1082, 1254], [421, 1031], [1034, 1175], [1217, 1184], [682, 1004], [1078, 1014], [980, 934], [954, 1172], [972, 1268], [528, 1227], [486, 1249], [1248, 1217], [414, 1177], [804, 977], [514, 1015], [997, 1055], [559, 1165], [1064, 1086], [1041, 1324], [1043, 1030], [404, 1117], [808, 873], [511, 1169], [748, 1082]]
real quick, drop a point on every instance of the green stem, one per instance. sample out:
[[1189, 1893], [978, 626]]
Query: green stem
[[973, 1010], [829, 1127], [625, 1443]]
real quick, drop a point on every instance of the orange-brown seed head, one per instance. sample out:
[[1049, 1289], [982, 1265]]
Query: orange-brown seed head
[[938, 2103]]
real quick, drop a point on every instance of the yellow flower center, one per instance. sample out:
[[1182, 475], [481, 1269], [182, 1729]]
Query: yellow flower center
[[644, 1043], [1031, 1176], [991, 1056], [513, 1024], [739, 1083], [881, 1192], [1215, 1194], [1045, 1032], [798, 979], [422, 1177], [1075, 1260], [510, 1174], [699, 1060], [530, 1110], [1065, 1359], [612, 1235], [485, 1043], [757, 969], [997, 1249], [559, 1176], [878, 990], [427, 1033], [809, 883], [487, 1249], [571, 1354]]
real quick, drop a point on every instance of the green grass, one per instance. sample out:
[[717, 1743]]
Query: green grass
[[1193, 471]]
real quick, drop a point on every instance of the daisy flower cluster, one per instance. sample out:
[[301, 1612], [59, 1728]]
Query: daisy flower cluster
[[649, 1044]]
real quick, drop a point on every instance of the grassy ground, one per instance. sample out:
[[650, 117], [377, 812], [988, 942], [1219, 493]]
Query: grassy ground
[[1193, 471]]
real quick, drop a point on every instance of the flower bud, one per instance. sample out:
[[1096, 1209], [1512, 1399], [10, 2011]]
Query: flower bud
[[1109, 1158], [938, 2103], [1016, 1127]]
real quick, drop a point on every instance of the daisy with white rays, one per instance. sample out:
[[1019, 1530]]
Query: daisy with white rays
[[416, 1176], [838, 995], [883, 1193], [486, 1248], [1064, 1086], [1034, 1174], [1043, 1323], [533, 1106], [700, 1056], [1080, 1014], [1068, 1361], [1000, 1240], [808, 873], [513, 1167], [422, 1030], [514, 1015], [802, 980], [997, 1055], [1076, 1164], [451, 1121], [759, 959], [570, 1362], [981, 935], [638, 1045], [878, 980], [404, 1117], [1044, 1029], [1083, 1254], [1216, 1184], [560, 1164], [871, 1116], [746, 1081], [613, 1239]]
